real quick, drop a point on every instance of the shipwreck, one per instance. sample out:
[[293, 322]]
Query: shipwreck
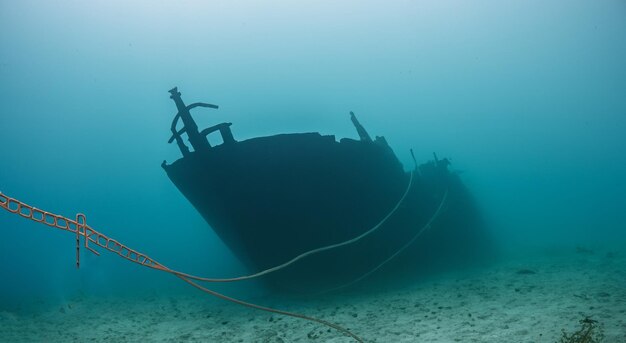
[[273, 198]]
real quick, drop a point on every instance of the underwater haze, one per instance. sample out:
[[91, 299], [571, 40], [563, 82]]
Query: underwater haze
[[526, 98]]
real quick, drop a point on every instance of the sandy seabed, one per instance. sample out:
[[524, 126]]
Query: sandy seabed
[[529, 299]]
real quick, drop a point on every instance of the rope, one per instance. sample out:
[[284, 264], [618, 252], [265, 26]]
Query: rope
[[268, 309], [80, 228], [406, 245]]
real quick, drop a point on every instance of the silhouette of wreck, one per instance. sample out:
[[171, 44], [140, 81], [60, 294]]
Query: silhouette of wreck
[[273, 198]]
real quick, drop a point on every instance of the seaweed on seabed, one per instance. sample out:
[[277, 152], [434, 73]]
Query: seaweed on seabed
[[589, 332]]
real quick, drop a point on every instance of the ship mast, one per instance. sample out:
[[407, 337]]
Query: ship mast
[[198, 141]]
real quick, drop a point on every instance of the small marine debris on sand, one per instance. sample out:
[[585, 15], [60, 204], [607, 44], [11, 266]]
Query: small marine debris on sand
[[590, 332]]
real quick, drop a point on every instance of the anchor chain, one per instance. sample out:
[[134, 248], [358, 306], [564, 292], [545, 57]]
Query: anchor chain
[[80, 228]]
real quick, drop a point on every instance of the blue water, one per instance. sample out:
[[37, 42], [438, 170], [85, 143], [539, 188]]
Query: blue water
[[527, 98]]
